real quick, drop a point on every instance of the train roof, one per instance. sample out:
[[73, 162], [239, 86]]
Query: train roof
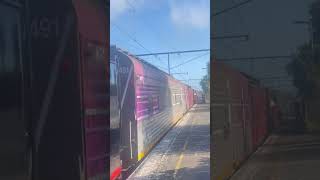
[[141, 60], [251, 79], [145, 62]]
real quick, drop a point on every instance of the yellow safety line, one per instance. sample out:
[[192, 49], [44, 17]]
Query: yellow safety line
[[226, 173], [178, 165], [140, 156]]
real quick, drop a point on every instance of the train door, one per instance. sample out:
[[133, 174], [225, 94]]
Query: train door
[[115, 161], [259, 119], [92, 27], [14, 122], [247, 126], [237, 119], [56, 111], [95, 105], [253, 117], [69, 86]]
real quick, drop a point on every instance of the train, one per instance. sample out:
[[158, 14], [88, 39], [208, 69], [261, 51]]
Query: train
[[199, 97], [54, 94], [243, 114], [145, 102]]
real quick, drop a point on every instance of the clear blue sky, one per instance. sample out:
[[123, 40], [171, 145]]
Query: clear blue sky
[[160, 26]]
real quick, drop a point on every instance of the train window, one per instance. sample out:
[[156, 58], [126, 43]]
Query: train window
[[113, 80], [158, 102], [178, 99], [150, 105], [174, 99], [8, 46]]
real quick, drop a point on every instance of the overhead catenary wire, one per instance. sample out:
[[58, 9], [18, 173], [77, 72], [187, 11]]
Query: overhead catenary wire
[[190, 60], [117, 39], [230, 8], [153, 54], [131, 37], [146, 23], [174, 52], [255, 58], [132, 6], [135, 40]]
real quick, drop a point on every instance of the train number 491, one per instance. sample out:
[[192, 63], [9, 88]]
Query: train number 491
[[124, 70], [45, 27]]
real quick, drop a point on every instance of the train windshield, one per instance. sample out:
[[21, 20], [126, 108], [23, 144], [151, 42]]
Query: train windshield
[[13, 127]]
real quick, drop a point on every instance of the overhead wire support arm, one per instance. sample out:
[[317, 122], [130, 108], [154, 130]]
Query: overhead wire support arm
[[181, 73], [173, 52], [197, 57], [253, 58], [194, 79], [246, 36]]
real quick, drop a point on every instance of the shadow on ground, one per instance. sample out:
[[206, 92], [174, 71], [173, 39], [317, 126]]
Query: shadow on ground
[[201, 171]]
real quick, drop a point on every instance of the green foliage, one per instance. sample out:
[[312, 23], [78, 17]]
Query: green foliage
[[205, 81], [300, 69], [305, 70], [204, 84], [305, 67]]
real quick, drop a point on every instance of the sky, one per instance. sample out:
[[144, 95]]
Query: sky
[[269, 24], [141, 26]]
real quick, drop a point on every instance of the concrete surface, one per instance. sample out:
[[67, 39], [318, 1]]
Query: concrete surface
[[184, 153], [284, 157]]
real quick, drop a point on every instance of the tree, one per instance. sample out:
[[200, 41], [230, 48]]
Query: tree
[[305, 70], [305, 66], [205, 81], [204, 84], [300, 69]]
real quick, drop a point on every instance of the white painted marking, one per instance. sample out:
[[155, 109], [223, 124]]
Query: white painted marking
[[126, 87], [52, 81], [130, 143]]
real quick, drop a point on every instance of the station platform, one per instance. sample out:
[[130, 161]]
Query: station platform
[[283, 157], [183, 153]]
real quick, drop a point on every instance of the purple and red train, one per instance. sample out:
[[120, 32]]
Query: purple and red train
[[54, 94], [145, 103], [242, 118], [54, 100]]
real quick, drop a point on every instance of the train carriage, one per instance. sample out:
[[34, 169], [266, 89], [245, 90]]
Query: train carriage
[[150, 103], [74, 131], [240, 117], [190, 97], [55, 63], [199, 97]]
